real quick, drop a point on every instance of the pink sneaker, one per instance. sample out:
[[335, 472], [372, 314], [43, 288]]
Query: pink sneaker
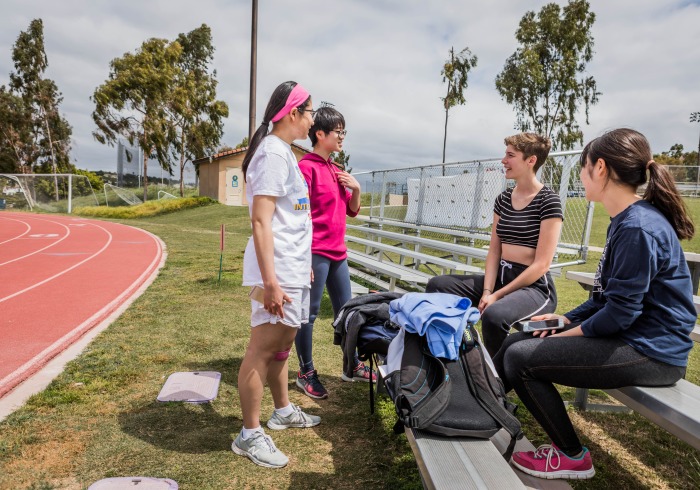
[[550, 463], [360, 373]]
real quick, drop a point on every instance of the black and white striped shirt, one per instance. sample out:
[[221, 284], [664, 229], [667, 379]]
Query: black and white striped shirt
[[522, 227]]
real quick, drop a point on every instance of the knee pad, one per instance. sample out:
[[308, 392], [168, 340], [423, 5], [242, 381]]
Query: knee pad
[[282, 355]]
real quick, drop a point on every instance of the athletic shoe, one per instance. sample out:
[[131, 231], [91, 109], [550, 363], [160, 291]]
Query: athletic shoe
[[550, 463], [260, 449], [360, 373], [296, 419], [311, 385]]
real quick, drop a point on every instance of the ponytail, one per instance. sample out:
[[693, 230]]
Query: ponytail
[[277, 102], [661, 191], [627, 154], [258, 136]]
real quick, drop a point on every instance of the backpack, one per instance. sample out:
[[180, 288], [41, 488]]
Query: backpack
[[462, 398]]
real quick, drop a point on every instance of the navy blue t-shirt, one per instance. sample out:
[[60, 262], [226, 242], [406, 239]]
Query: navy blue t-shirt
[[642, 291]]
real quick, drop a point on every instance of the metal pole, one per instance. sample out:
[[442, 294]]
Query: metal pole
[[253, 70], [70, 193]]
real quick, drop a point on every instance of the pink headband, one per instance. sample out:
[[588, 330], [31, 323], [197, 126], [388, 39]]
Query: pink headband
[[297, 96]]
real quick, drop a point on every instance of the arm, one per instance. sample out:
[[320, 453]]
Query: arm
[[261, 221], [584, 311], [493, 258], [628, 278], [353, 203], [546, 246]]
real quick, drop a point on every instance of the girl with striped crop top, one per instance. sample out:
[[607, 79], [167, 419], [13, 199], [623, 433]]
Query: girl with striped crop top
[[527, 220]]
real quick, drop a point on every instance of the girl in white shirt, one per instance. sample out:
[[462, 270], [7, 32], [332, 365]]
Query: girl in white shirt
[[277, 263]]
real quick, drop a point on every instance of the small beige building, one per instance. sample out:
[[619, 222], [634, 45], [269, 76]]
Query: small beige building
[[221, 175]]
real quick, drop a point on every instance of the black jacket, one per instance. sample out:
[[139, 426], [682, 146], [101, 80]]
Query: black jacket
[[361, 310]]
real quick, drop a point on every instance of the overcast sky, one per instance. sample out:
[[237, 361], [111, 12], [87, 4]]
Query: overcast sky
[[378, 62]]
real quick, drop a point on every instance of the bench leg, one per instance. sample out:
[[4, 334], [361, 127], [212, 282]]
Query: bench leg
[[581, 402]]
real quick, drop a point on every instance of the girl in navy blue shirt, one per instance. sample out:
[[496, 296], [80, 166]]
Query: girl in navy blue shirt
[[635, 328]]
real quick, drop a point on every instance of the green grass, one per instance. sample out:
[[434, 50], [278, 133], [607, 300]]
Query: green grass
[[100, 419]]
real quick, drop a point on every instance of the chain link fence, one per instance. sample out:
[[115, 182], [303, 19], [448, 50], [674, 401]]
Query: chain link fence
[[460, 196], [687, 179]]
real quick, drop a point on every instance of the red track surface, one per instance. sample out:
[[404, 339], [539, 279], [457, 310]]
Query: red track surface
[[59, 277]]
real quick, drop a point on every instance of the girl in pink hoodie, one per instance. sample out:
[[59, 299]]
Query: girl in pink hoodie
[[334, 194]]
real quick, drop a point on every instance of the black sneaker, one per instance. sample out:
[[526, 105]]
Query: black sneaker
[[311, 385]]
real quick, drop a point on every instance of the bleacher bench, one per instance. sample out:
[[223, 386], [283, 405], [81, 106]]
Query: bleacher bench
[[445, 264], [393, 271], [456, 463], [674, 408]]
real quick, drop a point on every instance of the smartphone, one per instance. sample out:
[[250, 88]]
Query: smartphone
[[553, 324], [257, 294]]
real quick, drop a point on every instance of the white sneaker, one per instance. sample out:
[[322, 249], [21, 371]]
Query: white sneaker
[[260, 449], [296, 419]]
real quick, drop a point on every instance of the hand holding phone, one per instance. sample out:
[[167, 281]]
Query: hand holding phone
[[543, 325], [258, 294]]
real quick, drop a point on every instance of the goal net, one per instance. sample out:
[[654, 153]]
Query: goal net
[[117, 196], [55, 193]]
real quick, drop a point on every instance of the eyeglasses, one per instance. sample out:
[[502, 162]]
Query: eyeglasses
[[310, 111], [341, 133]]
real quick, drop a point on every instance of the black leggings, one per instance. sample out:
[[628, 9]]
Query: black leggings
[[497, 320], [531, 365]]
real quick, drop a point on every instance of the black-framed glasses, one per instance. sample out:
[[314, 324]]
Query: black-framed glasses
[[342, 133], [310, 111]]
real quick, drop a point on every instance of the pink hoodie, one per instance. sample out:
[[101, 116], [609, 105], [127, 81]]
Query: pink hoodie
[[330, 203]]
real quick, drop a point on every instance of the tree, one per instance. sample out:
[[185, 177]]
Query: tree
[[196, 115], [134, 99], [342, 160], [33, 134], [541, 78], [17, 148], [455, 72], [695, 117], [242, 144]]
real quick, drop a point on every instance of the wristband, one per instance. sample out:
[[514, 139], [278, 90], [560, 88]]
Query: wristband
[[489, 290]]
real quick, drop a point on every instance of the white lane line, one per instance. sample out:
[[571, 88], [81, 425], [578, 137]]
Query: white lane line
[[64, 271], [37, 382], [41, 249], [18, 236]]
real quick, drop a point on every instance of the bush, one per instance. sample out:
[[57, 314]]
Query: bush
[[149, 208]]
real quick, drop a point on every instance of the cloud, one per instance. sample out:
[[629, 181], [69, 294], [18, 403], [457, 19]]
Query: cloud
[[379, 62]]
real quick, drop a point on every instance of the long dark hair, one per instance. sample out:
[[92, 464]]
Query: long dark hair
[[278, 100], [628, 154]]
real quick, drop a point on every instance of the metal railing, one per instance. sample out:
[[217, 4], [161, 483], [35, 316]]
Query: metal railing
[[460, 196]]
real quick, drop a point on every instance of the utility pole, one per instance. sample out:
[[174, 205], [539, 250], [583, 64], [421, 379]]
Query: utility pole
[[253, 69], [695, 117]]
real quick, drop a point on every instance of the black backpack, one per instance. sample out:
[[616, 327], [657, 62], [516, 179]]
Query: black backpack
[[451, 398]]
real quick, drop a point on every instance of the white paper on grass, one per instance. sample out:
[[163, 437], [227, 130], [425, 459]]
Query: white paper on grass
[[190, 387]]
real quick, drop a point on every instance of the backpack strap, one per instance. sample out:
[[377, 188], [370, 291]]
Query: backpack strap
[[371, 383], [492, 406]]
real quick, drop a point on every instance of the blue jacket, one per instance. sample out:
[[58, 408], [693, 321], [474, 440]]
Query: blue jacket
[[440, 317], [642, 291]]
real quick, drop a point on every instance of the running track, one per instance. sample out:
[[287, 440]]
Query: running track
[[59, 277]]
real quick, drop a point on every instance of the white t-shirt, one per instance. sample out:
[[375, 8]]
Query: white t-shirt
[[274, 171]]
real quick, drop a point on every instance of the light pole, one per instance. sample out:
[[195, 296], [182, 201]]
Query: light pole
[[253, 69]]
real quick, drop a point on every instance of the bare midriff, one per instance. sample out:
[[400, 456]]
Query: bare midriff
[[517, 253]]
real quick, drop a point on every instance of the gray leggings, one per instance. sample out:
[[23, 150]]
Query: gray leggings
[[531, 366], [497, 320]]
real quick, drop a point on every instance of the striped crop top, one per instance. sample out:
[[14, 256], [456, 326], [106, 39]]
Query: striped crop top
[[522, 227]]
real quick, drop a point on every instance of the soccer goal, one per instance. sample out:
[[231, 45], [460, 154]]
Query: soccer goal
[[165, 195], [55, 193], [121, 194]]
